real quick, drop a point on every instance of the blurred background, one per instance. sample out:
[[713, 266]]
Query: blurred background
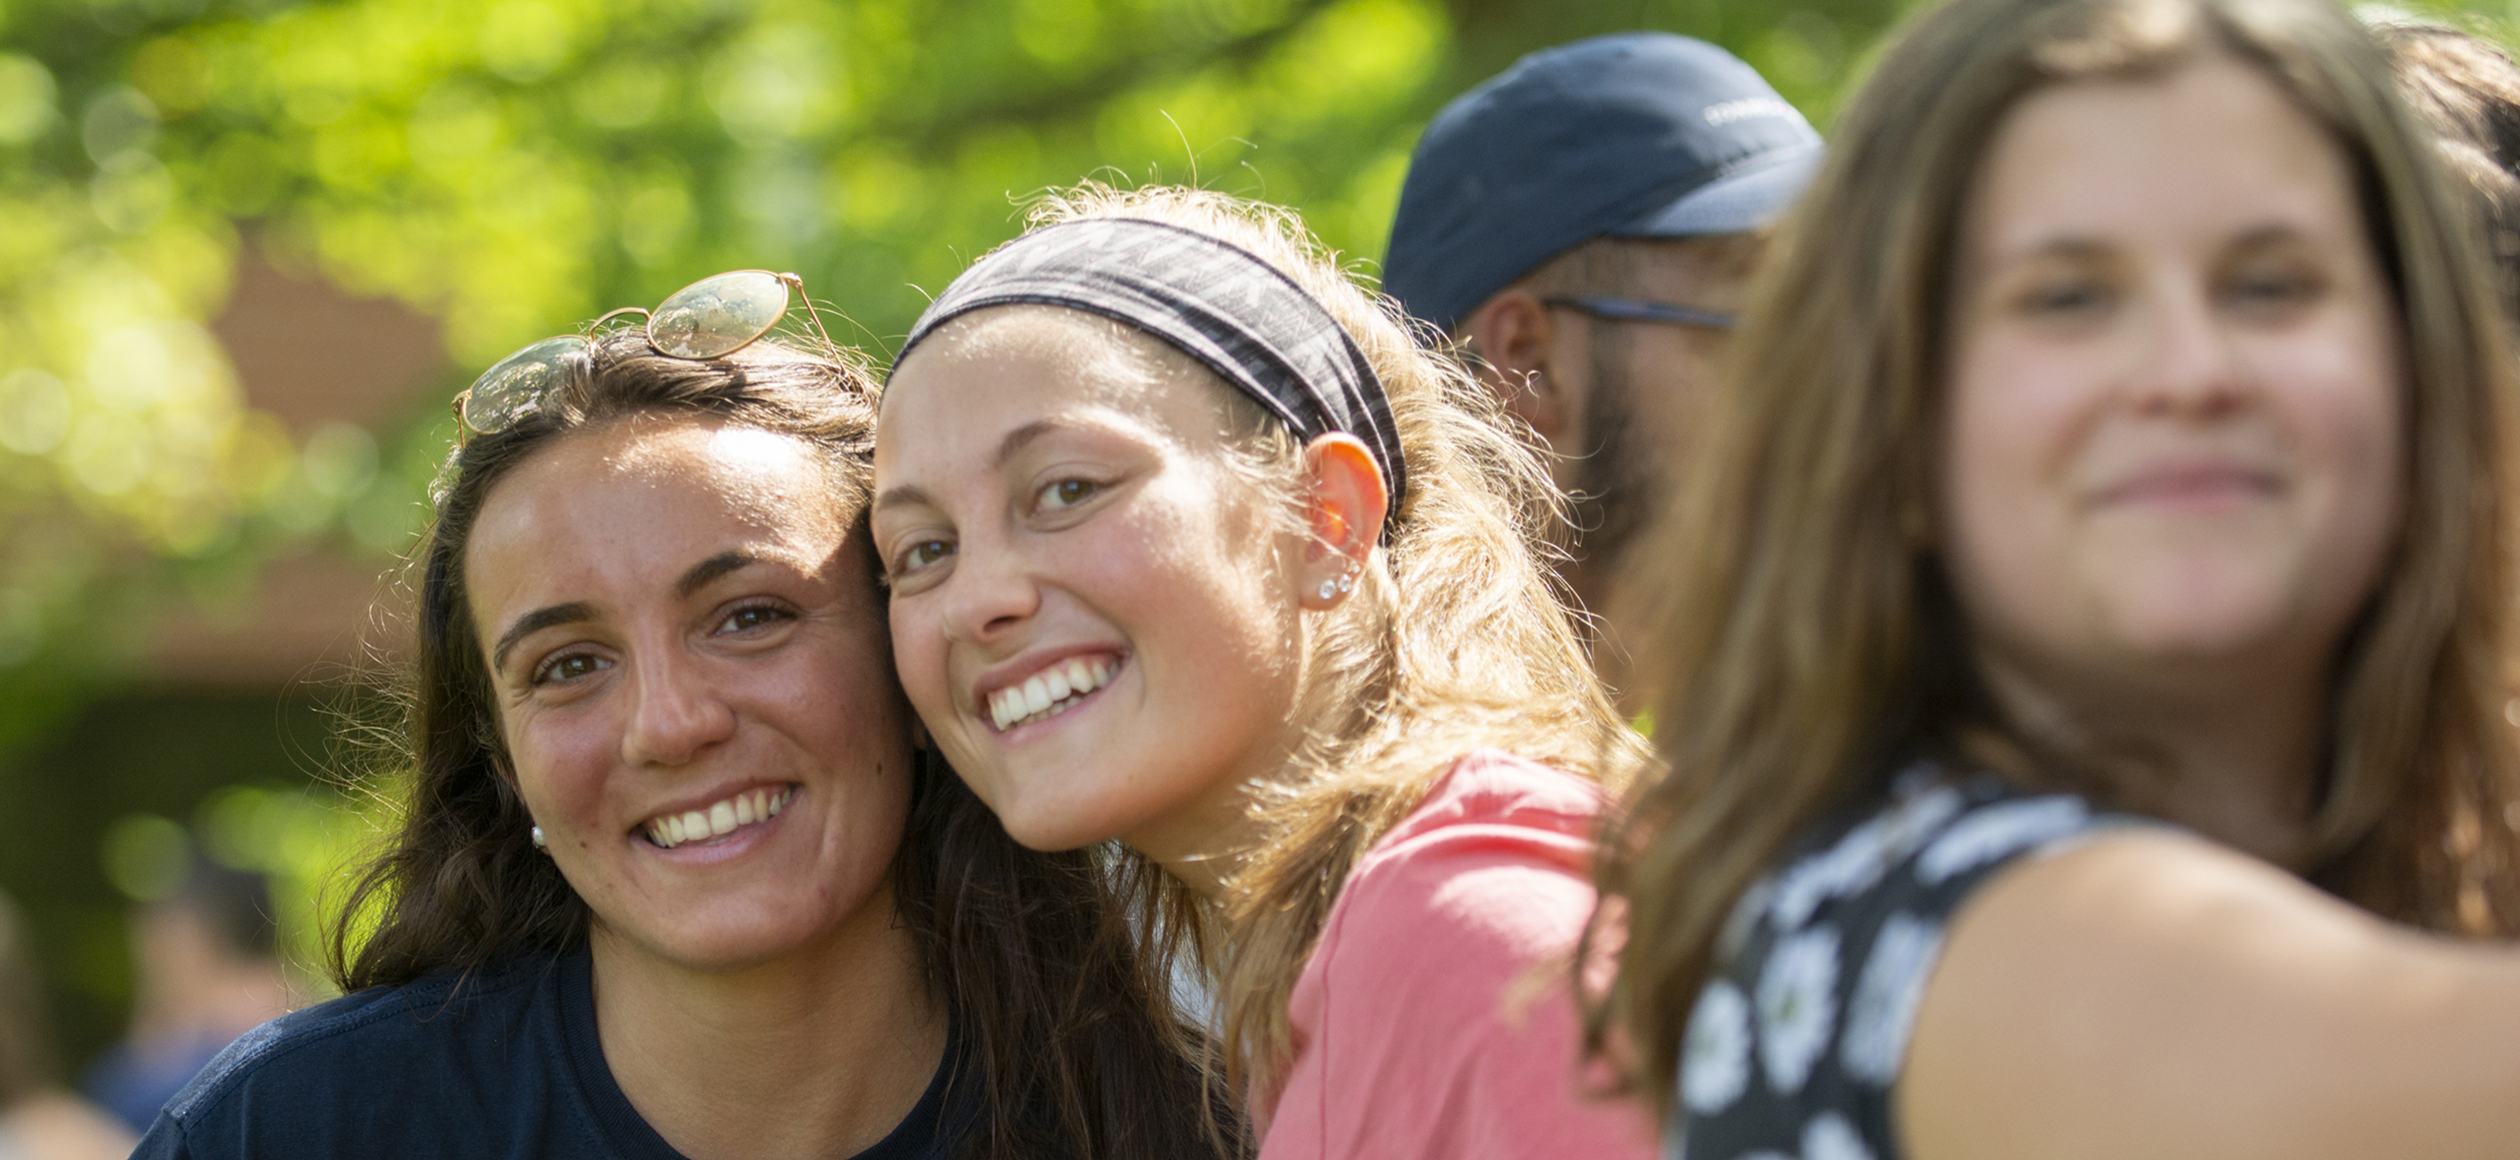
[[249, 248]]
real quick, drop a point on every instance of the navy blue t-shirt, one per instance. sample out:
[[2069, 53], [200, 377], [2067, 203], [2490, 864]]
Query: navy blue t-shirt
[[496, 1064]]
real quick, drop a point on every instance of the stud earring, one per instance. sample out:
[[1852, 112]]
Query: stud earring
[[1330, 590], [539, 843]]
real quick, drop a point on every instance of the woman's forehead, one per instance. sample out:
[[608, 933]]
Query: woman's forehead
[[1044, 359], [2209, 140], [1106, 349], [651, 468]]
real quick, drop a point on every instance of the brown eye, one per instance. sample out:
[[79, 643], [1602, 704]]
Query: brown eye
[[750, 617], [2270, 290], [920, 555], [569, 667], [1066, 493], [2064, 298]]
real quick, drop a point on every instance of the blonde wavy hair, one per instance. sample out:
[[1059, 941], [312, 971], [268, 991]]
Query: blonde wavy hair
[[1458, 637]]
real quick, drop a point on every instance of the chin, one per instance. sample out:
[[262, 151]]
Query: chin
[[712, 946], [2203, 630], [1052, 830], [1053, 802], [2200, 608]]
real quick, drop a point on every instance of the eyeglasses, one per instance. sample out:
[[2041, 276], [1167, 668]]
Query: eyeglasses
[[1639, 310], [711, 318]]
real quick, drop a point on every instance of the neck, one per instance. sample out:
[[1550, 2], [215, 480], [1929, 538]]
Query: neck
[[1204, 842], [1203, 845], [818, 1053], [2231, 750]]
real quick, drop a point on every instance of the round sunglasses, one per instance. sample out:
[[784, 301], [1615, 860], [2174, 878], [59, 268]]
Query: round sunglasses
[[711, 318]]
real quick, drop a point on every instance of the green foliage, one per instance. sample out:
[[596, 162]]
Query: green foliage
[[515, 167]]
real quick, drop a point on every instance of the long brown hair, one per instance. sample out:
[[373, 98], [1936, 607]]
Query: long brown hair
[[1807, 637], [1067, 1027], [1457, 638]]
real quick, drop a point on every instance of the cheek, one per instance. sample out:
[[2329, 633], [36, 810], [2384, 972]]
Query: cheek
[[1672, 374], [2343, 405], [842, 696], [1203, 571], [2013, 413], [560, 759], [918, 649]]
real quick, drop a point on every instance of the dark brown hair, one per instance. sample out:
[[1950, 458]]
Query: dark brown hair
[[1065, 1024], [1807, 637], [2469, 91]]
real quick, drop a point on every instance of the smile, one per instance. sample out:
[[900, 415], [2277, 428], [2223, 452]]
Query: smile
[[2189, 484], [719, 819], [1050, 692]]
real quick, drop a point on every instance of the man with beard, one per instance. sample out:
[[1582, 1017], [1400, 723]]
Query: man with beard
[[1584, 224]]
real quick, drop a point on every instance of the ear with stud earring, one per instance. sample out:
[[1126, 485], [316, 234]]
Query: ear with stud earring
[[1331, 590]]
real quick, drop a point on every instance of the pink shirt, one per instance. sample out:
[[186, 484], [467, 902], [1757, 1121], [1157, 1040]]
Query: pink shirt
[[1434, 1018]]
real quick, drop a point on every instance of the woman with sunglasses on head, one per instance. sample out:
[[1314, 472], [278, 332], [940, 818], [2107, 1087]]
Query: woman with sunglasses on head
[[674, 878], [1192, 548], [2084, 673]]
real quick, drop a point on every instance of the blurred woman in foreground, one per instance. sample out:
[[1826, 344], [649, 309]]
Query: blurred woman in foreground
[[672, 879], [2123, 437]]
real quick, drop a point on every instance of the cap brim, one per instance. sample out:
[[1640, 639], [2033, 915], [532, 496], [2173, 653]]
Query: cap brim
[[1743, 200]]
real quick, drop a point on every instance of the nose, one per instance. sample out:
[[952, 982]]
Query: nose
[[990, 594], [2189, 363], [675, 713]]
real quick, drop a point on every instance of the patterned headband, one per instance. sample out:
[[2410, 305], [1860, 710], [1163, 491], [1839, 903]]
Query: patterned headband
[[1236, 314]]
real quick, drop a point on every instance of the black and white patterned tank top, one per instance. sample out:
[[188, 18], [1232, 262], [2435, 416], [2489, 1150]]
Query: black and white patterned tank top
[[1794, 1046]]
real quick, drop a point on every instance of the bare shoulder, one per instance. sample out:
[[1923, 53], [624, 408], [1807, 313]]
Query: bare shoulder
[[2151, 994]]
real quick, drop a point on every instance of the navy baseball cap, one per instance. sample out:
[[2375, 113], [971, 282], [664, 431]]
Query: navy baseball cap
[[1639, 134]]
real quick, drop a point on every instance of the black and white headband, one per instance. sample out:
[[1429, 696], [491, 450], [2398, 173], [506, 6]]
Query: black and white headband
[[1236, 314]]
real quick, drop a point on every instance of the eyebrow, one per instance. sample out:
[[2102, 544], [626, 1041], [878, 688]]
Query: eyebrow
[[710, 569], [2267, 235], [2055, 247], [2254, 237], [579, 611], [1016, 440], [574, 612]]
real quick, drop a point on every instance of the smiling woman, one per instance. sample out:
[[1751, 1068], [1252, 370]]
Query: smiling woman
[[1192, 547], [2124, 435], [676, 878]]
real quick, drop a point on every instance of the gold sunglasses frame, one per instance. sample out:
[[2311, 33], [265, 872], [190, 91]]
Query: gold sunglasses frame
[[789, 281]]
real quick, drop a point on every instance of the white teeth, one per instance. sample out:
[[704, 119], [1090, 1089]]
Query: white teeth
[[720, 819], [1048, 693]]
